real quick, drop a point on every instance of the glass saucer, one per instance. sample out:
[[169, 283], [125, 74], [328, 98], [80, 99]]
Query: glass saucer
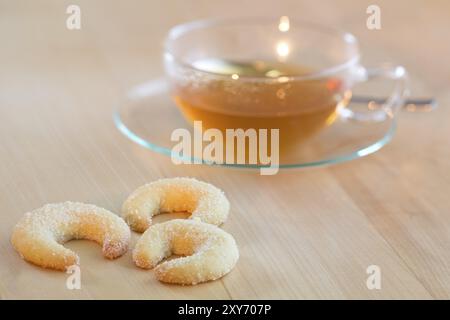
[[147, 115]]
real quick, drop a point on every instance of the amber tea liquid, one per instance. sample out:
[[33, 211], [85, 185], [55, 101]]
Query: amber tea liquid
[[259, 95]]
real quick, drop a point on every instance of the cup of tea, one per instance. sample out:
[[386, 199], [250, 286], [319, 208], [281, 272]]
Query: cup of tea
[[267, 73]]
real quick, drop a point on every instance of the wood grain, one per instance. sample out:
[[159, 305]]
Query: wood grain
[[302, 233]]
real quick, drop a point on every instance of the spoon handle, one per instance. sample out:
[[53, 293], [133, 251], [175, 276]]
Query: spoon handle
[[412, 105]]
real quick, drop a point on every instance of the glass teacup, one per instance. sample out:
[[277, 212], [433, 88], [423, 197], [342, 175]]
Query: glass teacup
[[271, 73]]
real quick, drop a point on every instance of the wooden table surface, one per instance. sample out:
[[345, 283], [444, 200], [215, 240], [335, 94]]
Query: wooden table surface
[[301, 233]]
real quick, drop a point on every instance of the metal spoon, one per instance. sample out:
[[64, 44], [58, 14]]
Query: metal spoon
[[411, 105]]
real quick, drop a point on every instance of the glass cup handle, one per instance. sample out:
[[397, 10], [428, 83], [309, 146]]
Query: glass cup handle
[[379, 112]]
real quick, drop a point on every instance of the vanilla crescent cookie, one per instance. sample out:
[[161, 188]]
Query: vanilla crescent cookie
[[39, 235], [209, 252], [201, 199]]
